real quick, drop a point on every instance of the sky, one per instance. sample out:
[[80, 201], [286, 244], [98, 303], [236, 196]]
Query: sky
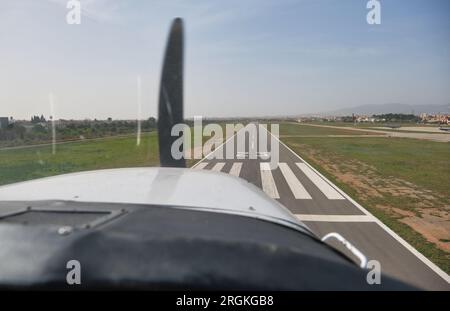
[[242, 57]]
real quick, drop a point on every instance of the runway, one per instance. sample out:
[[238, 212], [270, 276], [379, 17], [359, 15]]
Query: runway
[[325, 208]]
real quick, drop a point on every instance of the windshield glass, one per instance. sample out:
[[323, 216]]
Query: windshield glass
[[334, 113]]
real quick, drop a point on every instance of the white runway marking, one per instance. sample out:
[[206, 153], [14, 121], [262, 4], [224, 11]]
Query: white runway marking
[[323, 186], [236, 169], [268, 184], [218, 167], [242, 155], [201, 165], [335, 218], [297, 188], [230, 139], [408, 246]]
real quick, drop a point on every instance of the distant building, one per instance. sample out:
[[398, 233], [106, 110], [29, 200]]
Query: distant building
[[4, 122], [435, 118]]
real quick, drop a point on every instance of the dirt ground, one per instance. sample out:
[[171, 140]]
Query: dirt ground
[[425, 211]]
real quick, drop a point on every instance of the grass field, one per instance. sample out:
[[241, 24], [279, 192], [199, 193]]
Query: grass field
[[287, 129], [29, 163], [112, 152], [404, 182]]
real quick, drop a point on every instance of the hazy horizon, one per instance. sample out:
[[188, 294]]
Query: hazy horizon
[[243, 58]]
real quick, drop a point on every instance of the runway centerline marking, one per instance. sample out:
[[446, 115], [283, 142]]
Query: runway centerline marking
[[268, 183], [236, 169], [294, 184], [323, 186]]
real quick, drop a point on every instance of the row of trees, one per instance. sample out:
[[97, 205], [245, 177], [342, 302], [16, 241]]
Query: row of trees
[[40, 131], [397, 117], [388, 117], [37, 119]]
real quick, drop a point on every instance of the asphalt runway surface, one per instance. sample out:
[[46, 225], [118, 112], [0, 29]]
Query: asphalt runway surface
[[323, 207]]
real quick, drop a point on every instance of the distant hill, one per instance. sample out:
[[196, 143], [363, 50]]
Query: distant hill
[[389, 108]]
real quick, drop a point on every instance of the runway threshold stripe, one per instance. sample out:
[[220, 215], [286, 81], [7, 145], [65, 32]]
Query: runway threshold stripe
[[268, 183], [201, 166], [323, 186], [294, 184], [335, 218], [218, 167], [236, 169]]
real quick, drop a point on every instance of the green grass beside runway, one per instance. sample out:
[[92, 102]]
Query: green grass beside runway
[[306, 130], [113, 152], [424, 163], [35, 162]]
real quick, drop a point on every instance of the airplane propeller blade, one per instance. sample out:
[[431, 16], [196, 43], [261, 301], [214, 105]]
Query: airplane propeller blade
[[170, 109]]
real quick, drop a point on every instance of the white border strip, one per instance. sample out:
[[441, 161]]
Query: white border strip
[[415, 252], [218, 166], [268, 183], [321, 184], [294, 184], [236, 169]]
